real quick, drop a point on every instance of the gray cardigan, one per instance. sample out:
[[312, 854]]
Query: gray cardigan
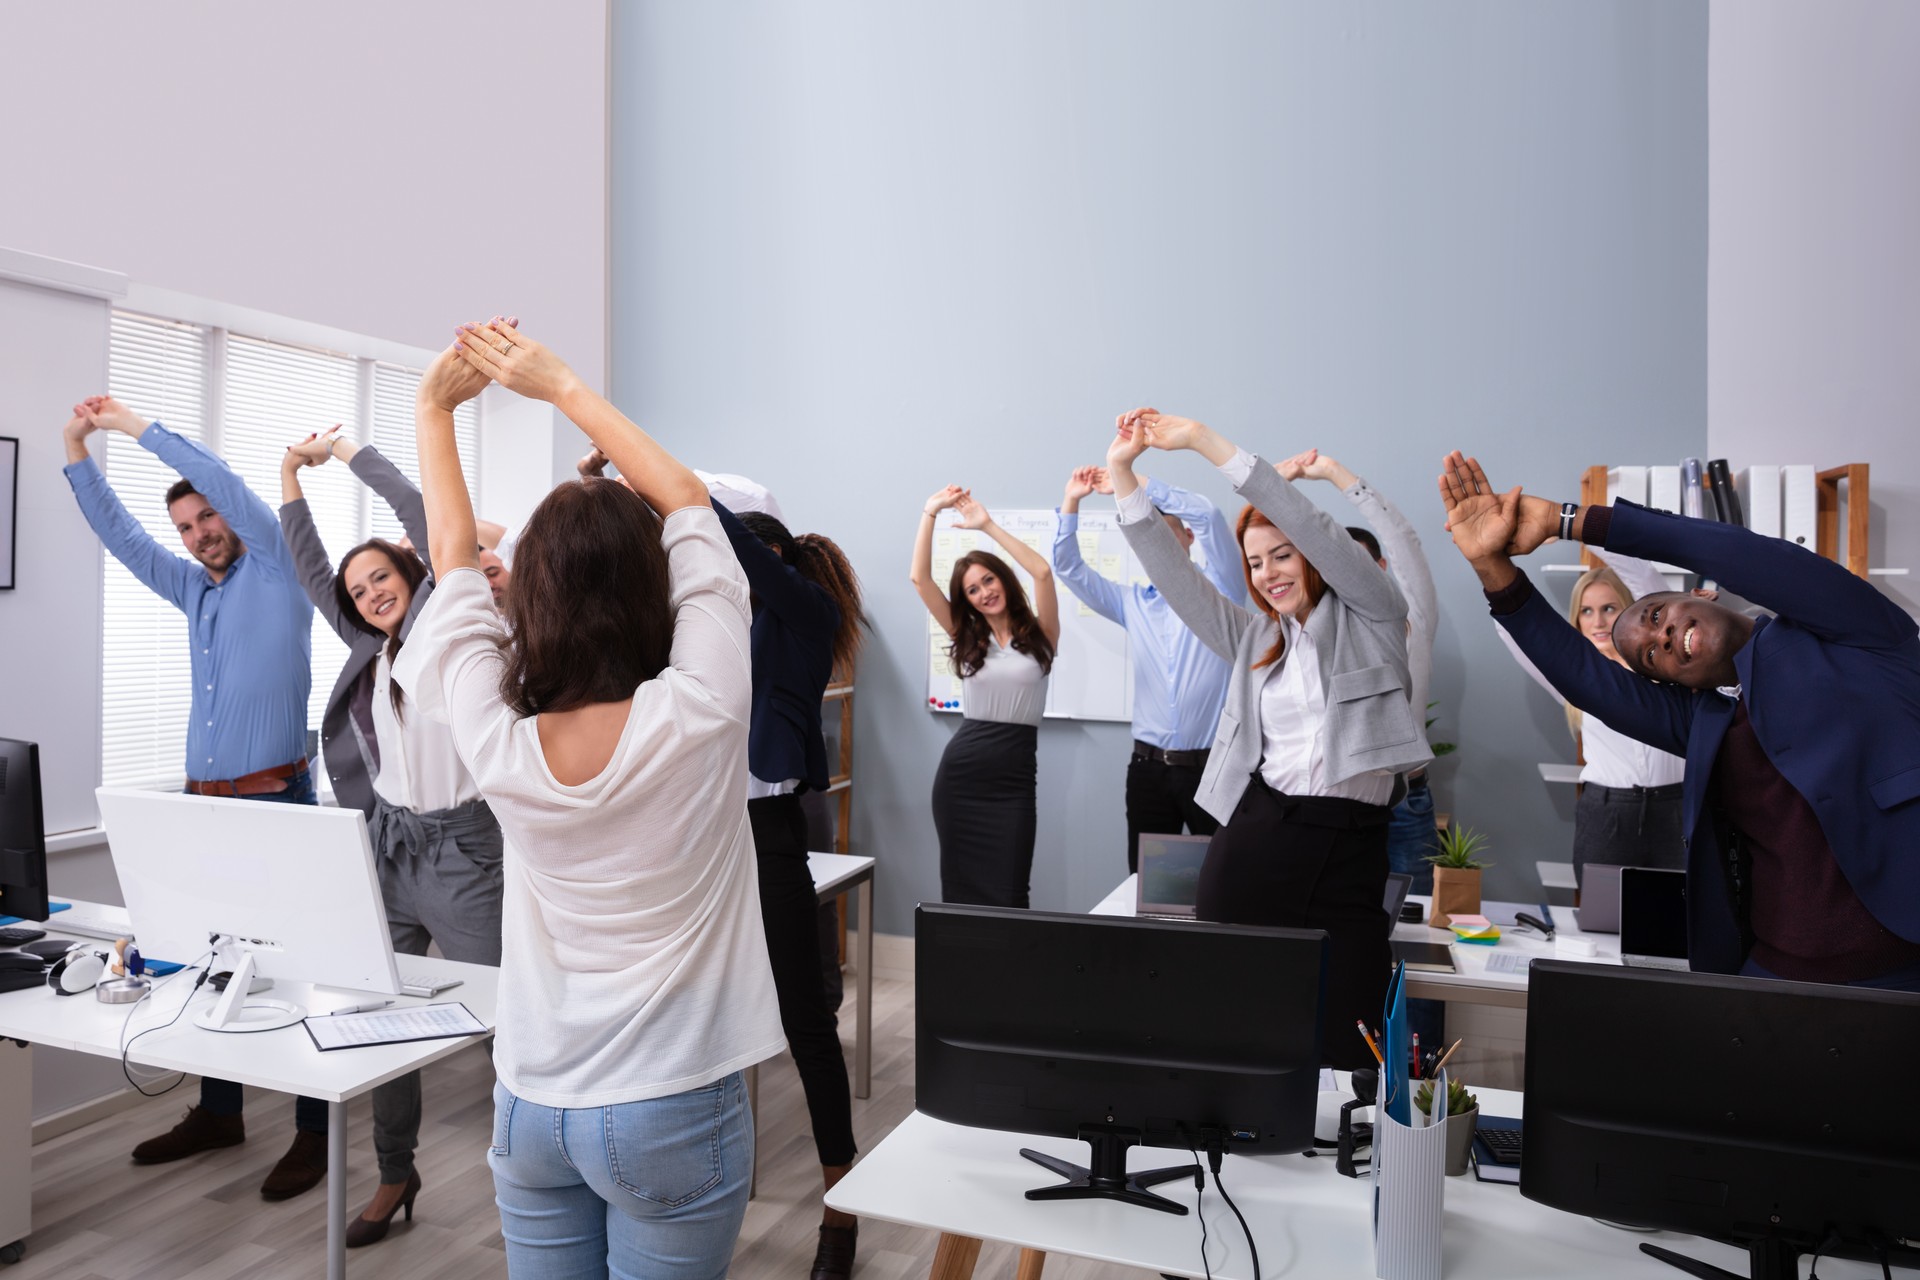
[[346, 728], [1359, 631]]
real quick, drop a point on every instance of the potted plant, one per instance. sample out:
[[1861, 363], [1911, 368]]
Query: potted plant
[[1463, 1115], [1456, 873]]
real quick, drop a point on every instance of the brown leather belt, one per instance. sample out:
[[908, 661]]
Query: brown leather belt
[[266, 782], [1196, 759]]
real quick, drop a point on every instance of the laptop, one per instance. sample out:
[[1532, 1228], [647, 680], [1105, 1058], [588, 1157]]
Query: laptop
[[1398, 886], [1653, 918], [1169, 881], [1599, 909]]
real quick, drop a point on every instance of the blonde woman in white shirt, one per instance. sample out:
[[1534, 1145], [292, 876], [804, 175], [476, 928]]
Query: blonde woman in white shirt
[[605, 720], [1628, 813]]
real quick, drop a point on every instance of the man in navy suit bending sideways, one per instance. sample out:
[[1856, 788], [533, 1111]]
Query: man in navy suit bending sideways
[[1801, 731]]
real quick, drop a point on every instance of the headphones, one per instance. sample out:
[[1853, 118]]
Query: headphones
[[77, 971]]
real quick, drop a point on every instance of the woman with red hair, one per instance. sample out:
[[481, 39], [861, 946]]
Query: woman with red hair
[[1317, 727]]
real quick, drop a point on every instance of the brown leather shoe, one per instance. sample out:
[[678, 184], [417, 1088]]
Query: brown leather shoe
[[300, 1169], [366, 1229], [199, 1131], [833, 1260]]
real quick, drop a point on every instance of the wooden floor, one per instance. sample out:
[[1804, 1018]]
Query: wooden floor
[[99, 1217]]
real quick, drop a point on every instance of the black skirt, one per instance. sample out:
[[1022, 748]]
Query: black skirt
[[983, 812], [1311, 862]]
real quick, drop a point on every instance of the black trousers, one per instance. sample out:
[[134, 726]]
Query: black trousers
[[1160, 802], [1628, 827], [983, 812], [789, 910], [1311, 862]]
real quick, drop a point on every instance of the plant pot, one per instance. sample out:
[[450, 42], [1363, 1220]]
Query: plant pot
[[1456, 891], [1460, 1140]]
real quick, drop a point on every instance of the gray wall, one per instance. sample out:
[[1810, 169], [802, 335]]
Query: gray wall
[[1813, 297], [862, 250]]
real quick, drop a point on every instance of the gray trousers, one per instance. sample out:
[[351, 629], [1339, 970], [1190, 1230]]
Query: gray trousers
[[440, 876]]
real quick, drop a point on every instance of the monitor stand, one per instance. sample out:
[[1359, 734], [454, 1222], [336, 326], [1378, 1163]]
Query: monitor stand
[[235, 1012], [1108, 1178], [1771, 1260]]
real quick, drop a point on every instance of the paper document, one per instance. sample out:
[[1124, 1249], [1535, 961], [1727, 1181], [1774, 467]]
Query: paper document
[[393, 1026]]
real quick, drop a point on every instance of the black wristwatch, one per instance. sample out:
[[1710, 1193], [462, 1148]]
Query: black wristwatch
[[1568, 510]]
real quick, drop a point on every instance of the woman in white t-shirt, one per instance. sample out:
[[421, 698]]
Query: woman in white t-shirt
[[605, 720], [1002, 648], [1628, 813]]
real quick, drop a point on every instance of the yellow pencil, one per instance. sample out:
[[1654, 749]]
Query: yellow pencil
[[1370, 1044]]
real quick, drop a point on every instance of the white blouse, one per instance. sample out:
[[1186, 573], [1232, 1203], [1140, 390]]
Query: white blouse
[[1009, 688], [419, 767], [634, 963], [1293, 728]]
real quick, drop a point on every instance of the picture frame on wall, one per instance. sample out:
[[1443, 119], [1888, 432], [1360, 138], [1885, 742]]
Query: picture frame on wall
[[9, 503]]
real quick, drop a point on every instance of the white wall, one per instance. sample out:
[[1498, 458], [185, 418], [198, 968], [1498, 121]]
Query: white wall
[[387, 169], [1813, 297], [863, 249]]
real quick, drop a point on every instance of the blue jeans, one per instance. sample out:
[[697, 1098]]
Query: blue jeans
[[1410, 835], [223, 1097], [652, 1190]]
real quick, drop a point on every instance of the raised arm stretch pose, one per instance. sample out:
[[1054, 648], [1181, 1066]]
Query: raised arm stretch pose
[[1316, 727], [806, 624], [1178, 683], [607, 728], [436, 843], [249, 635], [1801, 732], [1002, 649]]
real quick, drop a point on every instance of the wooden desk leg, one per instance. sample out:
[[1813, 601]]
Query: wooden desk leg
[[955, 1257], [1031, 1261]]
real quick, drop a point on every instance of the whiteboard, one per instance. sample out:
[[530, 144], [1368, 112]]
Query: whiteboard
[[1092, 671]]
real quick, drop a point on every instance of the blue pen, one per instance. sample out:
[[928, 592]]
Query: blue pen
[[136, 963], [1546, 913]]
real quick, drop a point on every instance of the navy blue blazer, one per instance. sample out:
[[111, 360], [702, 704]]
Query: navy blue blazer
[[1832, 687], [794, 622]]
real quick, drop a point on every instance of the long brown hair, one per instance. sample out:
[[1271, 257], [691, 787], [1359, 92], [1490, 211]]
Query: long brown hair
[[819, 560], [971, 632], [411, 571], [1315, 585], [591, 612]]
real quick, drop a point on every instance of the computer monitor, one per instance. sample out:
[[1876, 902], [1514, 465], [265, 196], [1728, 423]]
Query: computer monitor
[[1771, 1116], [289, 889], [1119, 1032], [23, 832]]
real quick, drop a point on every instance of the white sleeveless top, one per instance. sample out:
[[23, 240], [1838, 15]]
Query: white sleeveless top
[[1009, 688]]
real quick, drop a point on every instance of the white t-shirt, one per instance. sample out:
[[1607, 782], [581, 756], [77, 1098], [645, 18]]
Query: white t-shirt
[[1009, 688], [634, 964], [419, 767]]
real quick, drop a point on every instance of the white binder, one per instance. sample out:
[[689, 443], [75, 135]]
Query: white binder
[[1759, 490], [1799, 507]]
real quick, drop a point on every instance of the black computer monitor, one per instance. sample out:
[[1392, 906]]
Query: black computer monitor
[[23, 839], [1119, 1032], [1772, 1116]]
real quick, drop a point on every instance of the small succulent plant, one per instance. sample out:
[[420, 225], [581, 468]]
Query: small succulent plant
[[1459, 1100]]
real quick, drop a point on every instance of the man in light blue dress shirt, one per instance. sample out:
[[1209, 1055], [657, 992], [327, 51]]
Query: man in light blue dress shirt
[[249, 625], [1178, 683]]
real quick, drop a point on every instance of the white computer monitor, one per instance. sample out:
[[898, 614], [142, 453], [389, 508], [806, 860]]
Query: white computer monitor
[[290, 889]]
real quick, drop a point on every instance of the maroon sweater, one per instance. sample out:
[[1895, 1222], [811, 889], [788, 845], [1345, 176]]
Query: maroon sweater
[[1808, 924]]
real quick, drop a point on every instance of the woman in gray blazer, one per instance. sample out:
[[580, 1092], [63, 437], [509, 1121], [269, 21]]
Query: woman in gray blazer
[[1317, 726], [437, 844]]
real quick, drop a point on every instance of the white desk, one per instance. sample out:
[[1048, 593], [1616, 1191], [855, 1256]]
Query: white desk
[[1308, 1221], [834, 874], [284, 1061], [1470, 983]]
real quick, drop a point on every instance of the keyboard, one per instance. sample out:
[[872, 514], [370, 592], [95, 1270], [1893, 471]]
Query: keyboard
[[425, 983], [1503, 1143], [18, 936], [109, 923]]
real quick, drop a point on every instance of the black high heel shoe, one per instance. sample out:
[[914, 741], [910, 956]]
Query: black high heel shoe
[[365, 1231]]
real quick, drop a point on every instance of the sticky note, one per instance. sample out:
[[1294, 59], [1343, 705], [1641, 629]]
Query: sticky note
[[943, 542], [1089, 546], [1109, 566]]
